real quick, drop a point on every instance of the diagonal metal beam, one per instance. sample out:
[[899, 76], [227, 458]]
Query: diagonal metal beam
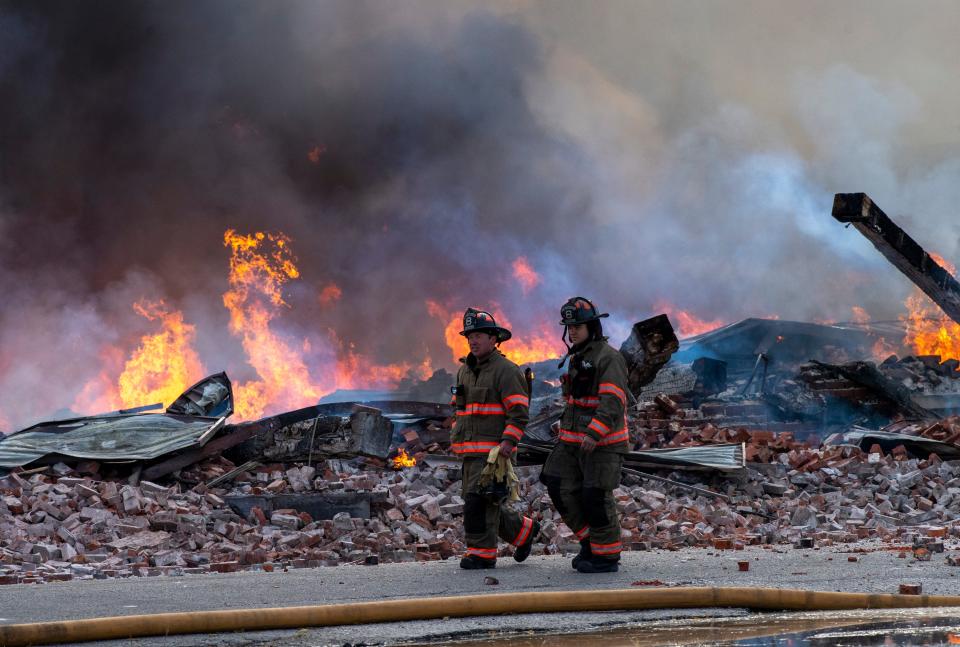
[[900, 249]]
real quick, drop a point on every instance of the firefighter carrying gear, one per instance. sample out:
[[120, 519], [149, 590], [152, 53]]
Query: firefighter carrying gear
[[581, 484], [492, 406], [481, 321], [499, 476]]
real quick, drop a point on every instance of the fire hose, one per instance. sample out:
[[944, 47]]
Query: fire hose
[[164, 624]]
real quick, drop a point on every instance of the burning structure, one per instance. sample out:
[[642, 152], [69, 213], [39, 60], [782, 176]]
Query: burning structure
[[744, 434], [172, 205]]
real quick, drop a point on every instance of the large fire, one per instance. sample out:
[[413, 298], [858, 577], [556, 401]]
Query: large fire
[[685, 323], [260, 265], [929, 330], [526, 347], [165, 364]]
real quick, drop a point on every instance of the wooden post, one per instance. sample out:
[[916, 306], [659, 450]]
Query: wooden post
[[900, 249]]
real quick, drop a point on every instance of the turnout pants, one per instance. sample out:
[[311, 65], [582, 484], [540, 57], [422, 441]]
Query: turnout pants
[[484, 521], [581, 488]]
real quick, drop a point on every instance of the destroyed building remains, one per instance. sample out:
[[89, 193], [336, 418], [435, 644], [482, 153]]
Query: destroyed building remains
[[761, 432]]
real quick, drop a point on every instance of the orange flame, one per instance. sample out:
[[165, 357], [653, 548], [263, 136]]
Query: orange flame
[[160, 369], [165, 364], [528, 347], [260, 265], [525, 274], [403, 459], [929, 330], [355, 371], [687, 324], [330, 294], [314, 153]]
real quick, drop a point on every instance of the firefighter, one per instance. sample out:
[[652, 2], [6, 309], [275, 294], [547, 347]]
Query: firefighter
[[492, 408], [584, 468]]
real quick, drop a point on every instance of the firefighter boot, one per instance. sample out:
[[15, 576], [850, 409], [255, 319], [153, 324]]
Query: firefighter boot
[[523, 550], [472, 563], [585, 553], [597, 564]]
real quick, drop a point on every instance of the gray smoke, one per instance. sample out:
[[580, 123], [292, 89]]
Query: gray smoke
[[634, 152]]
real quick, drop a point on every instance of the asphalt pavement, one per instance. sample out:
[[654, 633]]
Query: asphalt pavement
[[827, 569]]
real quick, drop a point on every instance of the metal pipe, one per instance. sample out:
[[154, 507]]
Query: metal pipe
[[661, 479]]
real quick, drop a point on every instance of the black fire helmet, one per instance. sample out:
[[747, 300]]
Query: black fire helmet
[[482, 321], [579, 310]]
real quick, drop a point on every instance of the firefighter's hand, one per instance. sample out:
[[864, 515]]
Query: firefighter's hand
[[588, 444], [506, 448]]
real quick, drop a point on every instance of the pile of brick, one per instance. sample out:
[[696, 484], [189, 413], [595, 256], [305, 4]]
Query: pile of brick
[[64, 525], [674, 421], [58, 527]]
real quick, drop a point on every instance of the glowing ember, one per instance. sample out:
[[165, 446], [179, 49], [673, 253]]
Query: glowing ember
[[929, 330], [164, 364], [685, 323], [525, 347], [314, 154], [330, 294], [881, 349], [260, 265], [402, 459], [860, 315], [524, 273]]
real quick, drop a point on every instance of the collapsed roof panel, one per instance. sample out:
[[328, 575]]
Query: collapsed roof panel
[[919, 446], [211, 397], [108, 438], [784, 342], [194, 418]]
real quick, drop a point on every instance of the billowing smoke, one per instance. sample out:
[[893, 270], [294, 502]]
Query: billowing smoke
[[638, 154]]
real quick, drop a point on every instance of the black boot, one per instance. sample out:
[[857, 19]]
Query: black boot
[[472, 563], [585, 553], [523, 550], [597, 564]]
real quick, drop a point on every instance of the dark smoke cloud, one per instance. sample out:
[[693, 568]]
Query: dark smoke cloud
[[634, 152]]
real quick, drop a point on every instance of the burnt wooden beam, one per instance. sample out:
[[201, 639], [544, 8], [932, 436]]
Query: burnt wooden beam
[[900, 249]]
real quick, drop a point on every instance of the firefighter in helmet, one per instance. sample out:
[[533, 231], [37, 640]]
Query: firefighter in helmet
[[584, 468], [492, 408]]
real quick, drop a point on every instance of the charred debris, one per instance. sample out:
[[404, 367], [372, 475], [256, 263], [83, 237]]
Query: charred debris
[[761, 432]]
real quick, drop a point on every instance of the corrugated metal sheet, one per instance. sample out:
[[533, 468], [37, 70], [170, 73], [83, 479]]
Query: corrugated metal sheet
[[720, 457], [917, 445], [108, 438]]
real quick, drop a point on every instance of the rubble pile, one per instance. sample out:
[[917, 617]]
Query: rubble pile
[[925, 373], [68, 524]]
